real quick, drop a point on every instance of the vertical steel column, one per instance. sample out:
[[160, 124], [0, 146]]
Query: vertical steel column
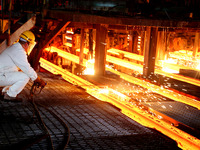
[[160, 52], [81, 47], [150, 51], [91, 43], [100, 50], [130, 48]]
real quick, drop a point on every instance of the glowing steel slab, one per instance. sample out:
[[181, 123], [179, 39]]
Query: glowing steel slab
[[124, 63], [126, 54], [139, 68], [179, 77], [132, 110], [68, 56], [157, 89]]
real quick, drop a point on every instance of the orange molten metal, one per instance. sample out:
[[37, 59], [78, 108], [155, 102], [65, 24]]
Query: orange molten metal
[[121, 101], [165, 92], [139, 68], [157, 89], [127, 54]]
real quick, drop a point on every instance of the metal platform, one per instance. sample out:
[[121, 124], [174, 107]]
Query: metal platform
[[183, 113], [186, 115], [93, 124]]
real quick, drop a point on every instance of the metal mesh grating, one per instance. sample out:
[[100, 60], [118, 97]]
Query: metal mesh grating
[[183, 113], [93, 124]]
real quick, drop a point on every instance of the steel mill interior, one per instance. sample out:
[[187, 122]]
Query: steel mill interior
[[120, 75]]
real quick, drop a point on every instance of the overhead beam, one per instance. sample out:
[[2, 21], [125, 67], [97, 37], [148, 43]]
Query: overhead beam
[[81, 25], [36, 53], [94, 19], [15, 36], [54, 33], [110, 27]]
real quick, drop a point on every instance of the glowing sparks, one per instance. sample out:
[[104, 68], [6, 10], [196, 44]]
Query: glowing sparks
[[167, 67], [136, 112], [198, 66]]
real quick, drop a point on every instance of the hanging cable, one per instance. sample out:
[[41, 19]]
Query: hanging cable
[[36, 90], [36, 111]]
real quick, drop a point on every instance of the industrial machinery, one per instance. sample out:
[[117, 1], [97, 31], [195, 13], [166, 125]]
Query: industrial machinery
[[154, 58], [65, 59]]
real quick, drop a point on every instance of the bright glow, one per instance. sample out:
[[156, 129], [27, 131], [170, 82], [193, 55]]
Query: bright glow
[[89, 67], [139, 39], [198, 67], [198, 64], [64, 54], [169, 66], [157, 89], [121, 101], [85, 50], [71, 32], [168, 70], [118, 94], [132, 110], [68, 37], [126, 54], [104, 91], [170, 60], [68, 44], [124, 63], [128, 37], [185, 58], [133, 66]]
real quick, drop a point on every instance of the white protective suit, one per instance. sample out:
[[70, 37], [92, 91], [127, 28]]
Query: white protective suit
[[11, 60]]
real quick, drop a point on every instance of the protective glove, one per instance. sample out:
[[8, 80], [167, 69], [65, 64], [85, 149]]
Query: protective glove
[[40, 82]]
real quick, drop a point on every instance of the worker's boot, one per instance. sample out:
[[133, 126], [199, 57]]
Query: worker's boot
[[12, 99]]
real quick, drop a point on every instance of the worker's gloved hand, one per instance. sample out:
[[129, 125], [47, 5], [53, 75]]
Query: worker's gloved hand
[[40, 82]]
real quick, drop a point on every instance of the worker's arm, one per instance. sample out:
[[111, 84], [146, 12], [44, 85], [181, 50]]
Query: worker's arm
[[19, 57]]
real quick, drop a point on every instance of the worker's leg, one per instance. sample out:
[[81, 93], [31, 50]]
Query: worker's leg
[[13, 82]]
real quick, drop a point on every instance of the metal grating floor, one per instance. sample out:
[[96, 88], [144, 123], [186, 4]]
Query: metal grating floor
[[183, 113], [93, 124]]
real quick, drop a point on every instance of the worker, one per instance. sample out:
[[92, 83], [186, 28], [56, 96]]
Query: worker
[[15, 70]]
